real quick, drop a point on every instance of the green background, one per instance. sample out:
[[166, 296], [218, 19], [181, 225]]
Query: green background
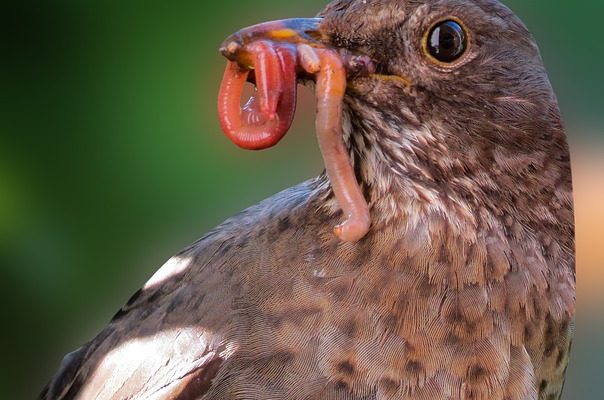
[[111, 157]]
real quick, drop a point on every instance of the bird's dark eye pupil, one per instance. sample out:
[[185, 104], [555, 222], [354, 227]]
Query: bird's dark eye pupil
[[447, 41]]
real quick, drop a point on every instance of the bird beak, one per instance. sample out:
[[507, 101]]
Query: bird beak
[[293, 31]]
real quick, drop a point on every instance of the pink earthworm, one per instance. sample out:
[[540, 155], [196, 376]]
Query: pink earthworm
[[330, 89], [268, 115]]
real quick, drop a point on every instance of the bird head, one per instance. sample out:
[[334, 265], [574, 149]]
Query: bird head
[[456, 112], [460, 88]]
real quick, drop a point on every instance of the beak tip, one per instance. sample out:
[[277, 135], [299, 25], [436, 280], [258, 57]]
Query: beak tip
[[229, 49]]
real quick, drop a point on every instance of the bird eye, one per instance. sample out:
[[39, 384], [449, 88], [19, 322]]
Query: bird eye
[[447, 41]]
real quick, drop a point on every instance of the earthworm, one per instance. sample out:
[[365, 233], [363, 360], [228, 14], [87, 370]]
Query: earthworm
[[330, 89], [268, 115]]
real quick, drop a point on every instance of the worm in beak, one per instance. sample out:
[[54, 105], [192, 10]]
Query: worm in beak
[[279, 54]]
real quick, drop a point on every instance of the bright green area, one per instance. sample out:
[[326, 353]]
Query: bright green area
[[111, 158]]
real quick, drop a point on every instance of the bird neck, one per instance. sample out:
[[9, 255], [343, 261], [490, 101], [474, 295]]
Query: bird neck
[[464, 225], [419, 172]]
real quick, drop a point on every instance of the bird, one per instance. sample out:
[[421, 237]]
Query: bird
[[463, 285]]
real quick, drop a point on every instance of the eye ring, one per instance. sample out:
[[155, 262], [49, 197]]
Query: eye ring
[[446, 42]]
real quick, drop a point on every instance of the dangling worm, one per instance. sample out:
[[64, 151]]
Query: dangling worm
[[268, 115], [331, 85]]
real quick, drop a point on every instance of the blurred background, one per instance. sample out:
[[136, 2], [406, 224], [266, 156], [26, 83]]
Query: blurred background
[[112, 160]]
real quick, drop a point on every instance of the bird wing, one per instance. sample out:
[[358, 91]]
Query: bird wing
[[172, 337]]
